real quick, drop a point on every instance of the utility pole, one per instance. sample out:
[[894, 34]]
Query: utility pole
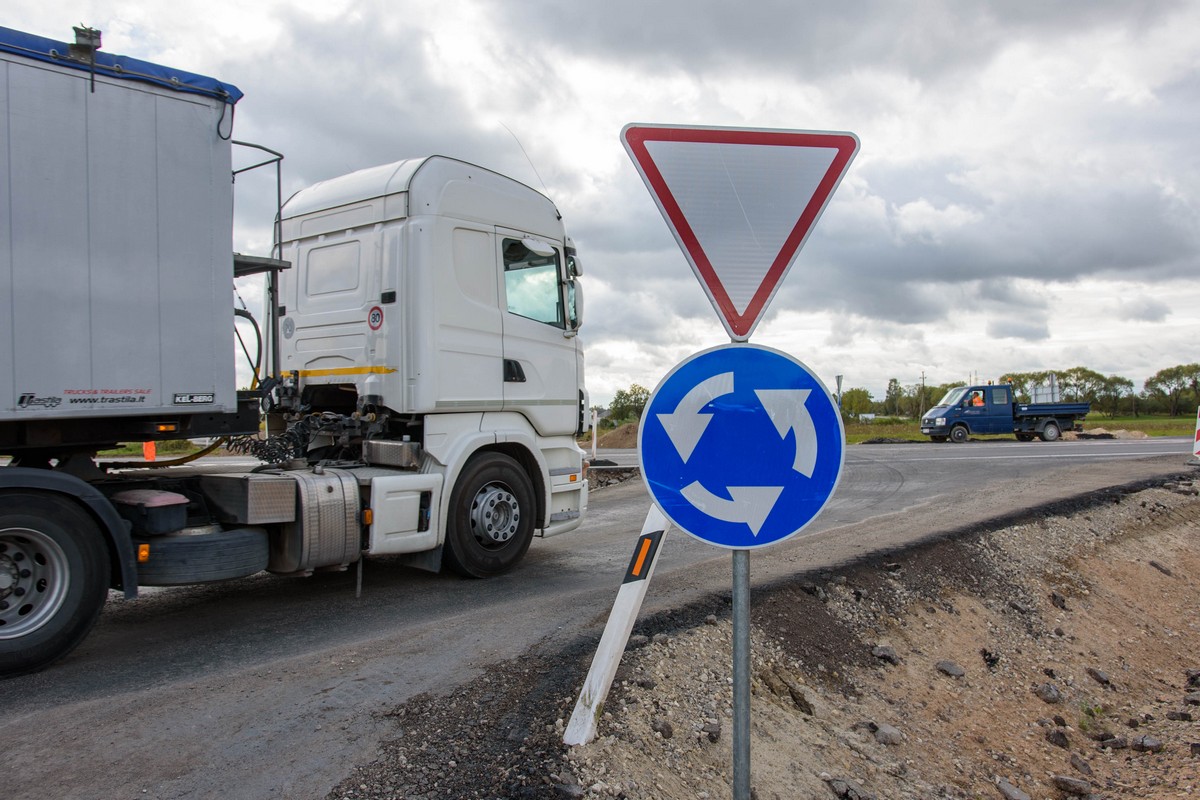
[[921, 400]]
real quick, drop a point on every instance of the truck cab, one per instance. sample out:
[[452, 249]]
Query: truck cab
[[970, 409]]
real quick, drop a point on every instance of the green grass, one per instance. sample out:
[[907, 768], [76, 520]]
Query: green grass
[[857, 432], [1151, 426]]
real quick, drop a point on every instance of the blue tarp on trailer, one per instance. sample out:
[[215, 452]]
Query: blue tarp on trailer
[[114, 66]]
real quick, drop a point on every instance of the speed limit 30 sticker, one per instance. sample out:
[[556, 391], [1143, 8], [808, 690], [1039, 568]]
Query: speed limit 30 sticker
[[375, 318]]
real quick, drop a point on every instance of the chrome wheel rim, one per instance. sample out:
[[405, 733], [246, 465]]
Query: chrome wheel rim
[[34, 579], [495, 515]]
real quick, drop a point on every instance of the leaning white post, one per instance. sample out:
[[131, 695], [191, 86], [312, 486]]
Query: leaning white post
[[1195, 462], [581, 728]]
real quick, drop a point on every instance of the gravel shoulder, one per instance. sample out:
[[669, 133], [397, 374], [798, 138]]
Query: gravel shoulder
[[1049, 654]]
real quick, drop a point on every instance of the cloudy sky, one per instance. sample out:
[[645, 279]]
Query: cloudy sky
[[1026, 195]]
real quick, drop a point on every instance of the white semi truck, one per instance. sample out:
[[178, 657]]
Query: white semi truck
[[418, 384]]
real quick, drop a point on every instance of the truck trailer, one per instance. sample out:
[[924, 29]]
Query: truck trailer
[[417, 388], [993, 409]]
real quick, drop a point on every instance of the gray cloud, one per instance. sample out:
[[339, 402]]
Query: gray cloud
[[1035, 329], [932, 41], [1142, 309]]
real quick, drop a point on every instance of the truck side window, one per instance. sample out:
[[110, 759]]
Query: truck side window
[[531, 282], [1000, 396]]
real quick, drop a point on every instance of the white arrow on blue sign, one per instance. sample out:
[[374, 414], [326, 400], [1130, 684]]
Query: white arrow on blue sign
[[741, 446]]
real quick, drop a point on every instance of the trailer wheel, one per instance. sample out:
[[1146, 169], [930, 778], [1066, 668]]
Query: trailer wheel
[[959, 434], [491, 517], [53, 579], [1051, 433]]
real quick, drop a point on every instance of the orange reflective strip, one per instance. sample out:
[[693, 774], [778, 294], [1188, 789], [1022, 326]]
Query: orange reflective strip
[[641, 559]]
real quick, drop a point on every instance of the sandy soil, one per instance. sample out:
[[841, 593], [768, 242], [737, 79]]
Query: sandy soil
[[622, 438], [1048, 659]]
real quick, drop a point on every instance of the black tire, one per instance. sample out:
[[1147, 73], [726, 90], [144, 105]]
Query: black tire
[[1051, 433], [203, 557], [490, 523], [959, 434], [937, 438], [1024, 437], [54, 572]]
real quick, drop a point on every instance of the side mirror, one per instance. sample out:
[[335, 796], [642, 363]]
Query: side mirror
[[574, 265], [574, 307]]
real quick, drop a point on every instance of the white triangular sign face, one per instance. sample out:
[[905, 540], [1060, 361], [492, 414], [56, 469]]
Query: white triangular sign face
[[741, 203]]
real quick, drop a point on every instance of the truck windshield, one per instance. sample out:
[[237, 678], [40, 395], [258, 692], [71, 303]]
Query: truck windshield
[[953, 396]]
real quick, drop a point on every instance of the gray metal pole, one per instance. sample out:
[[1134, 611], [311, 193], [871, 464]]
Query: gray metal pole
[[741, 675]]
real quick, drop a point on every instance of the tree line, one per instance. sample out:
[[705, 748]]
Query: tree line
[[1173, 391]]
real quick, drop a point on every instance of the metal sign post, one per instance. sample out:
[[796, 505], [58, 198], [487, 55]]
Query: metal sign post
[[741, 675]]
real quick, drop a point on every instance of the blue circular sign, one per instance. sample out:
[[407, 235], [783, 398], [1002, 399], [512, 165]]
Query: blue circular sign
[[741, 446]]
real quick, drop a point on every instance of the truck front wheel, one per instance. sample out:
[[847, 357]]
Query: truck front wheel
[[959, 434], [53, 579], [491, 517], [1051, 433]]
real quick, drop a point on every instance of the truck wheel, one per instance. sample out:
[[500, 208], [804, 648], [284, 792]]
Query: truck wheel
[[1051, 433], [491, 517], [53, 579], [931, 438], [1024, 437], [959, 434]]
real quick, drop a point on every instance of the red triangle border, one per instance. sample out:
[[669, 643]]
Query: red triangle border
[[738, 325]]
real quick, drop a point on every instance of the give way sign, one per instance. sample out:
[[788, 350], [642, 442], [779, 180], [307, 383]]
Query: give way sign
[[741, 203]]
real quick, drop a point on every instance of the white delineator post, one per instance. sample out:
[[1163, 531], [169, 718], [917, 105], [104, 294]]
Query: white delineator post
[[1195, 462], [595, 433], [581, 728]]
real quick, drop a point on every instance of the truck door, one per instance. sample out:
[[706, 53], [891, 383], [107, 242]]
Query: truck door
[[975, 410], [540, 363], [987, 409], [1000, 414]]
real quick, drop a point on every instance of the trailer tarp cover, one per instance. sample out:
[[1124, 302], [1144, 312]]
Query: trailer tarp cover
[[114, 66]]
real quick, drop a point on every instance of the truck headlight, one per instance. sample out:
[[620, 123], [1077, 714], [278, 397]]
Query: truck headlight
[[939, 422]]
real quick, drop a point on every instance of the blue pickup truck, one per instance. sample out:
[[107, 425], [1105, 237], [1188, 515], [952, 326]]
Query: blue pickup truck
[[993, 409]]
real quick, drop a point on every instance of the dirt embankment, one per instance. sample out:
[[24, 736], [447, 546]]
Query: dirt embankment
[[1055, 658], [622, 438]]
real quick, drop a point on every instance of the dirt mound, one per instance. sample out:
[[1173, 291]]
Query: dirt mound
[[1051, 658], [622, 438], [1118, 434]]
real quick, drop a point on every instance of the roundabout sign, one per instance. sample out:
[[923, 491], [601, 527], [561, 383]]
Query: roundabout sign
[[741, 446]]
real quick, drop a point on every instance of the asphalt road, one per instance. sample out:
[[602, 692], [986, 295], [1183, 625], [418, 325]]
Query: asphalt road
[[274, 686]]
